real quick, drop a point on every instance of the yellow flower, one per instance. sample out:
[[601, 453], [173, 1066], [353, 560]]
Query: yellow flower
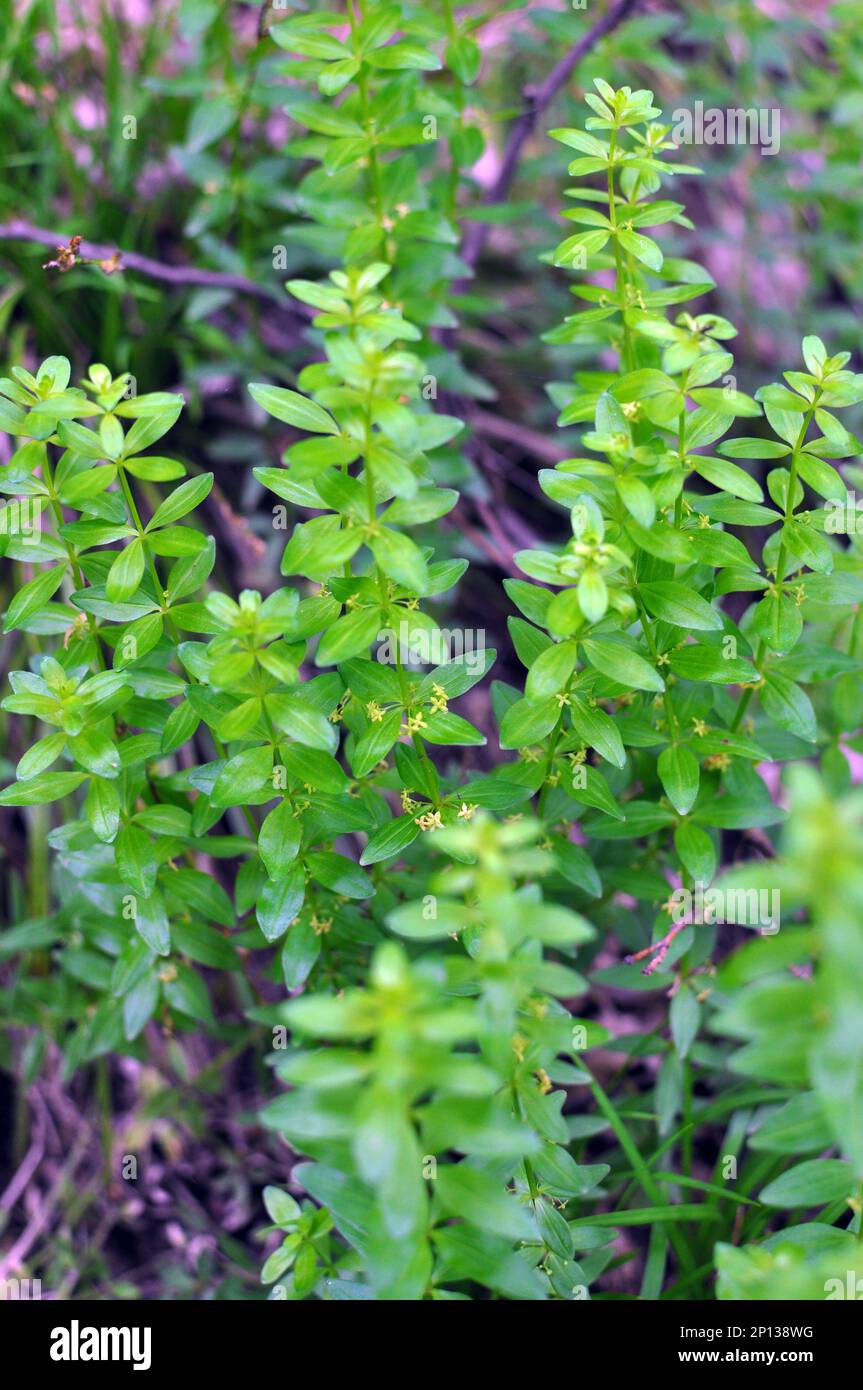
[[439, 699]]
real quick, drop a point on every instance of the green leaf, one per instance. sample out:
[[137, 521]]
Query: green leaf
[[295, 716], [390, 839], [725, 401], [679, 774], [95, 751], [404, 55], [187, 993], [244, 778], [807, 546], [642, 247], [595, 792], [281, 1207], [821, 476], [432, 919], [151, 923], [684, 1017], [528, 721], [279, 902], [753, 448], [451, 730], [324, 120], [139, 638], [139, 1005], [36, 791], [202, 893], [375, 743], [154, 469], [676, 604], [592, 594], [476, 1197], [315, 767], [551, 670], [598, 730], [798, 1126], [788, 706], [137, 862], [728, 477], [620, 663], [575, 250], [702, 663], [814, 1183], [814, 354], [279, 839], [301, 949], [576, 866], [695, 849], [349, 636], [294, 409], [400, 559], [182, 500], [463, 57], [125, 573], [637, 498], [31, 597], [339, 874], [43, 753]]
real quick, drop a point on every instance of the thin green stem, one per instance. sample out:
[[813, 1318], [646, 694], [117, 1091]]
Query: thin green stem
[[621, 283], [646, 628], [651, 1189]]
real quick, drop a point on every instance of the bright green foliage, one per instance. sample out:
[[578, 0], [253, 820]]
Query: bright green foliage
[[383, 193], [212, 758], [461, 1053], [802, 1031]]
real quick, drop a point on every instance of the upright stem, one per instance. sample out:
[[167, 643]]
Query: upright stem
[[618, 260], [760, 651]]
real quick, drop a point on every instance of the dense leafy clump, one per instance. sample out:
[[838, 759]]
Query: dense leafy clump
[[257, 797]]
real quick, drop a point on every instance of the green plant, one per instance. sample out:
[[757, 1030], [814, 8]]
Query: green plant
[[209, 790], [650, 556]]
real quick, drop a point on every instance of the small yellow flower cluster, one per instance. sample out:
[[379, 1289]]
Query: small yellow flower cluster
[[439, 699]]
